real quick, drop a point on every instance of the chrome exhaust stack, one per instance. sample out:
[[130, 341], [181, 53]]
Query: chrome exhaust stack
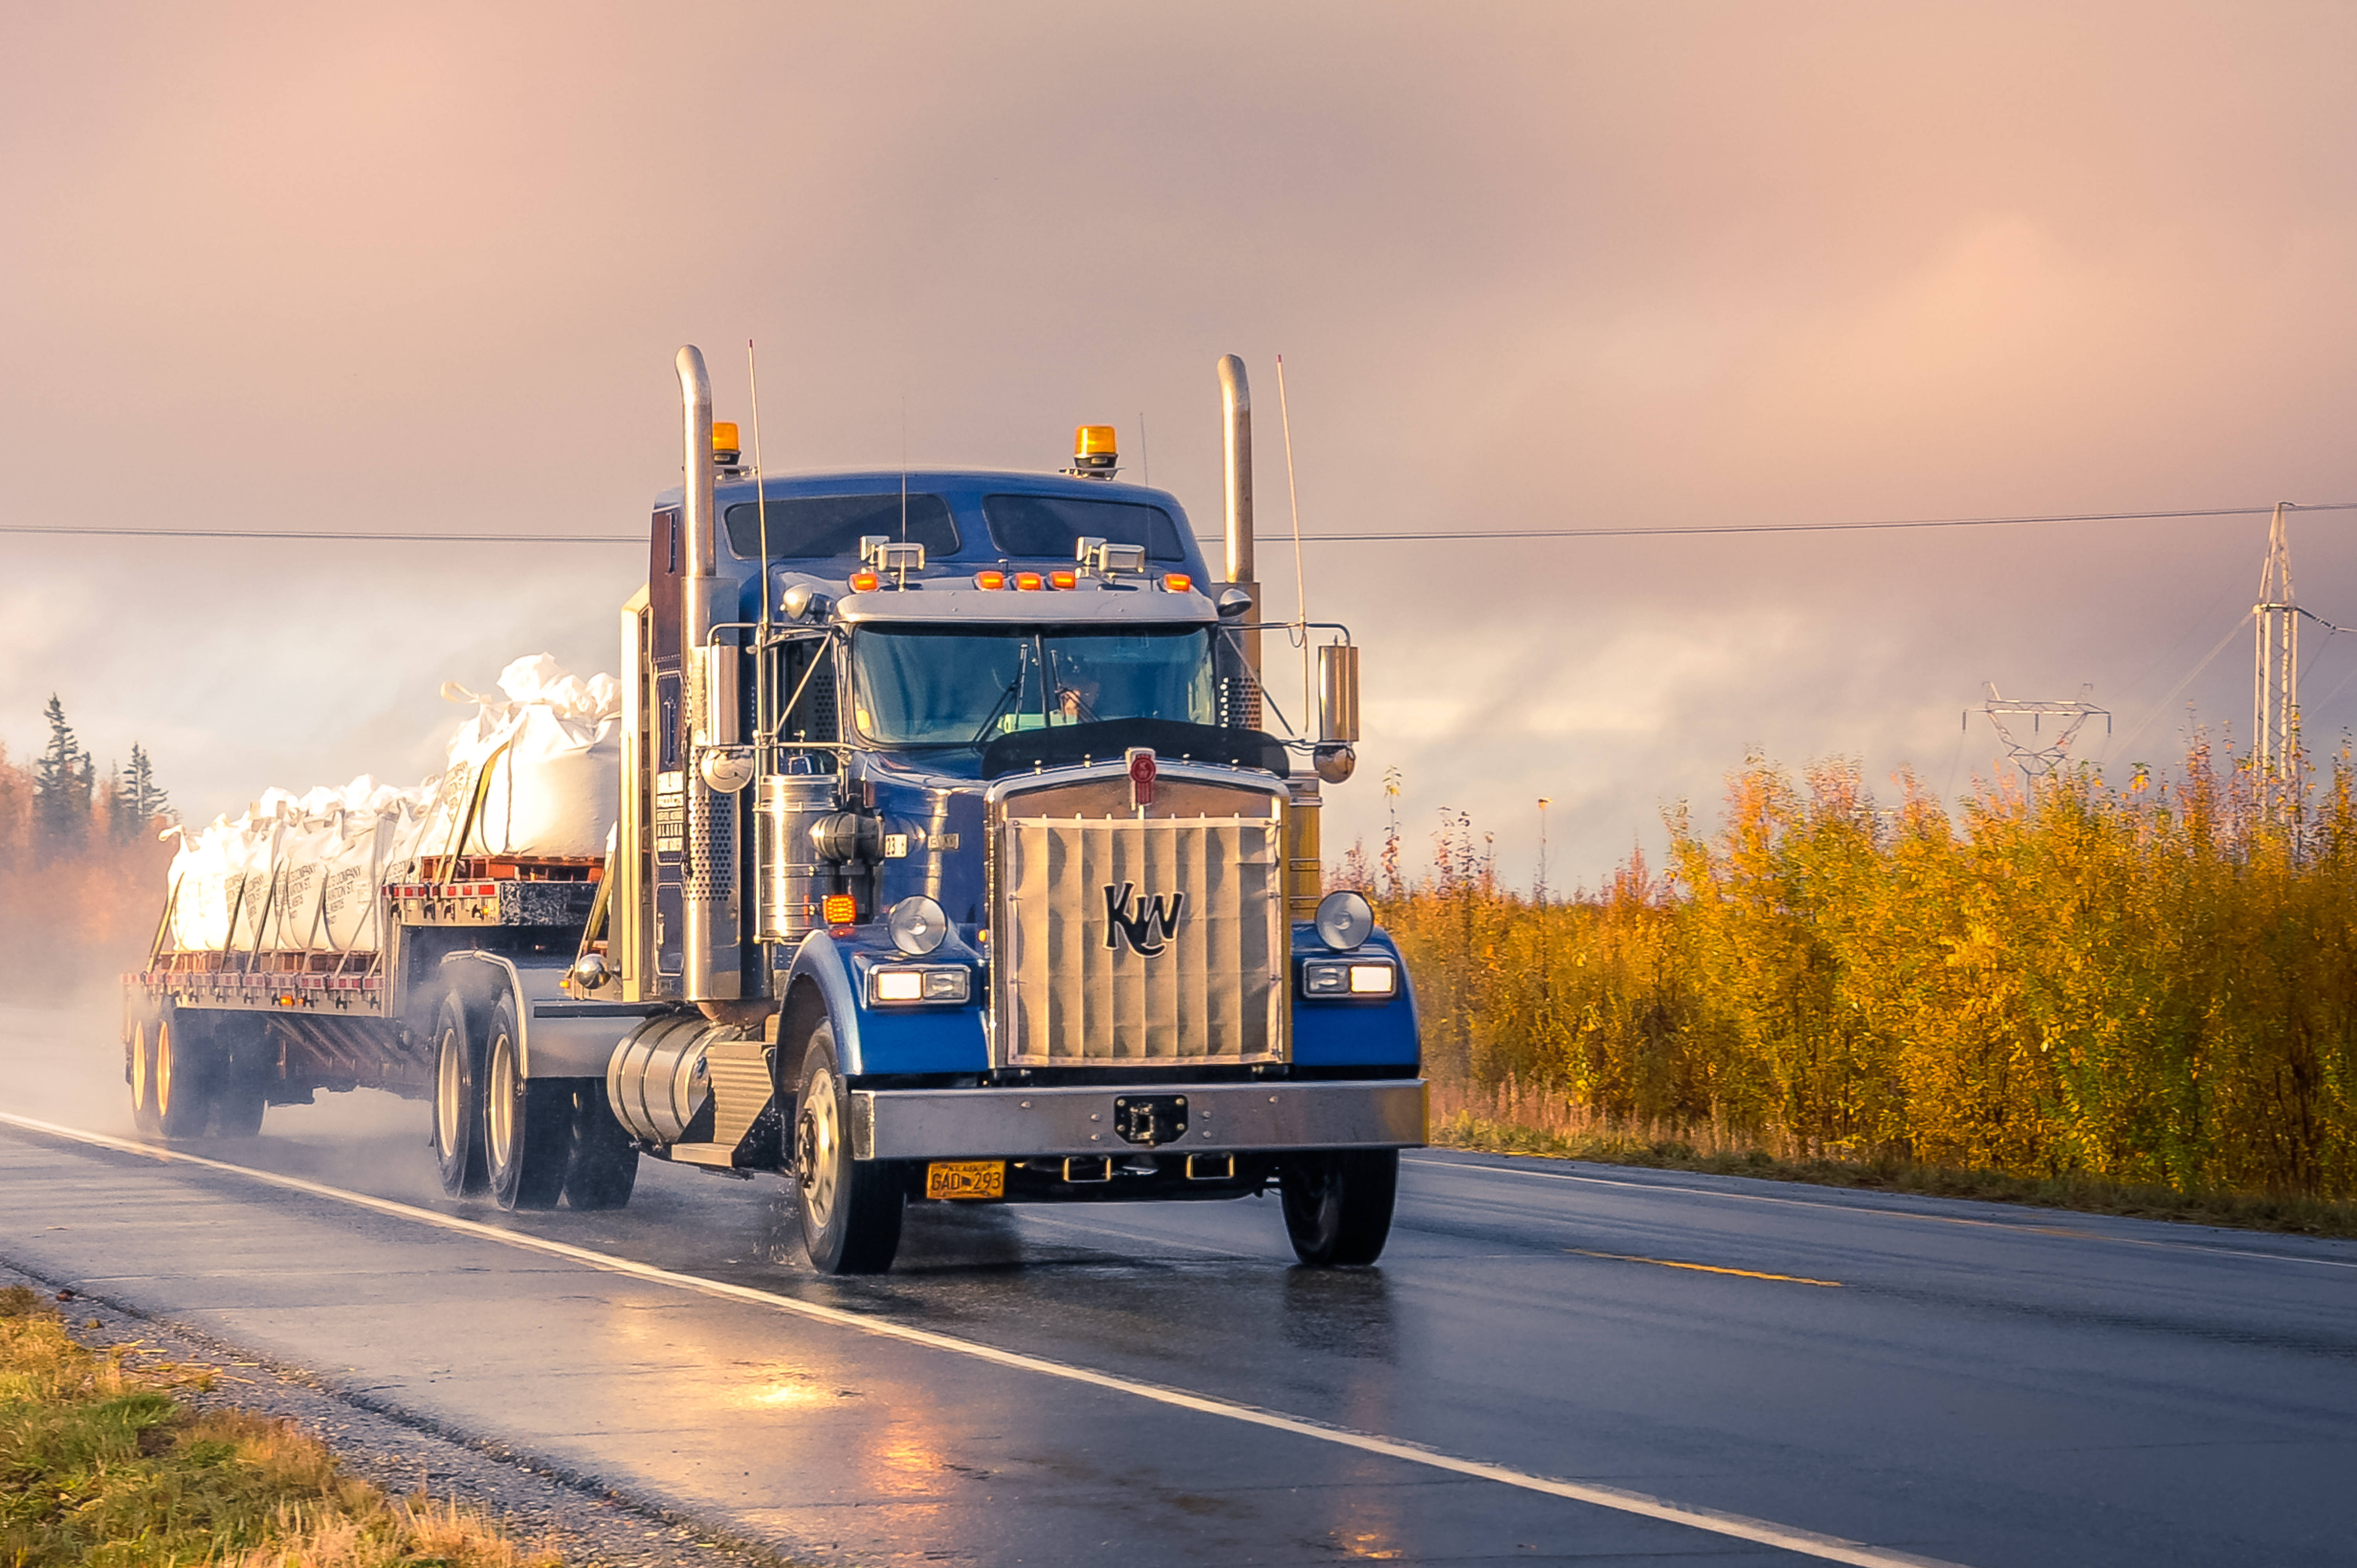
[[1236, 418], [711, 968]]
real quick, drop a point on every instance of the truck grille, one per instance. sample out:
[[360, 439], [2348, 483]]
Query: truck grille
[[1129, 940]]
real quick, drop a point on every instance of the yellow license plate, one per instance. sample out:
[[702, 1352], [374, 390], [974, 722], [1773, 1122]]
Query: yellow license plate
[[966, 1178]]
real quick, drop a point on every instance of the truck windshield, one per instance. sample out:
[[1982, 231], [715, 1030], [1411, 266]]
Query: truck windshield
[[965, 687]]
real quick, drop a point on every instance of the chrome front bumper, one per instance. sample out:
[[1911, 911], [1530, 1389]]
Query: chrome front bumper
[[1224, 1118]]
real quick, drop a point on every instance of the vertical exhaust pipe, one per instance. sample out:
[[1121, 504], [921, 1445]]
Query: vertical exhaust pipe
[[711, 968], [1235, 419]]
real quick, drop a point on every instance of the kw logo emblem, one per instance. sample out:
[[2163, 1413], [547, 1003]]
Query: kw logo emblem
[[1150, 928]]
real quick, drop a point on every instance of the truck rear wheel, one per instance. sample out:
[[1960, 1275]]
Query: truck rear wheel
[[850, 1209], [184, 1076], [1337, 1204], [527, 1121], [602, 1166], [142, 1072], [459, 1098]]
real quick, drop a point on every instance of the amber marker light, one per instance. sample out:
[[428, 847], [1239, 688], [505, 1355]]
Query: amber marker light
[[1094, 450], [864, 582], [992, 580], [1177, 582], [1028, 582], [725, 445], [840, 909], [1063, 579]]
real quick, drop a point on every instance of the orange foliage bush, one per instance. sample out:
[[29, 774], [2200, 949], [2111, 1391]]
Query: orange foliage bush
[[2156, 984]]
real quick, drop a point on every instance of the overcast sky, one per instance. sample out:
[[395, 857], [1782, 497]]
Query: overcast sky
[[1642, 265]]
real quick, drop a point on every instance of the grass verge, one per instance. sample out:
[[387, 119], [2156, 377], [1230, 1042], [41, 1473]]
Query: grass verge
[[2295, 1215], [101, 1465]]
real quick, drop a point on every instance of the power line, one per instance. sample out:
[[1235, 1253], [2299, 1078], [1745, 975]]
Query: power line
[[329, 535], [1412, 537], [1821, 527]]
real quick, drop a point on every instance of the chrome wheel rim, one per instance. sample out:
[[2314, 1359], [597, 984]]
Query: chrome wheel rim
[[139, 1068], [816, 1155], [498, 1107], [446, 1094]]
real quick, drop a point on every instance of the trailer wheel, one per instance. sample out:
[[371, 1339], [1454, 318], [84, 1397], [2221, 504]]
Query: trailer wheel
[[184, 1076], [850, 1209], [459, 1098], [1337, 1204], [602, 1166], [141, 1069], [527, 1122], [241, 1042]]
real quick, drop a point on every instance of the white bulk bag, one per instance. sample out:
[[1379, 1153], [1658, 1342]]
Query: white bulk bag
[[352, 866], [200, 890], [298, 880], [544, 763], [251, 848]]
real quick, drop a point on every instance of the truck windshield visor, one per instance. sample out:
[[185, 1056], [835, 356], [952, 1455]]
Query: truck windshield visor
[[965, 687]]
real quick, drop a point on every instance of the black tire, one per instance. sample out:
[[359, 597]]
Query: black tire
[[139, 1068], [850, 1209], [527, 1121], [459, 1098], [186, 1072], [602, 1163], [242, 1043], [1337, 1204]]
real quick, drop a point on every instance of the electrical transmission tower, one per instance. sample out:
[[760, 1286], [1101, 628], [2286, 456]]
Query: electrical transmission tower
[[2275, 675], [2041, 756]]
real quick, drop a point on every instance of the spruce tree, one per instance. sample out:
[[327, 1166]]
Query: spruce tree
[[138, 799], [64, 781]]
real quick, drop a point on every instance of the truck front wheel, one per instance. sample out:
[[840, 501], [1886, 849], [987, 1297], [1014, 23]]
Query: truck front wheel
[[850, 1209], [1337, 1204], [459, 1098], [527, 1122]]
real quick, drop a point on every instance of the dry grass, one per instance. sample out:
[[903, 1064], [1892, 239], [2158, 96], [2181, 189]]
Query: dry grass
[[101, 1463], [1510, 1122]]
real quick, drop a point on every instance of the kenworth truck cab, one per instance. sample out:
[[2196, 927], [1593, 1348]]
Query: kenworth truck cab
[[955, 862]]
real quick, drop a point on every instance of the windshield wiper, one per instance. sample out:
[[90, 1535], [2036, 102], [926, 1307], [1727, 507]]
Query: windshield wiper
[[998, 710]]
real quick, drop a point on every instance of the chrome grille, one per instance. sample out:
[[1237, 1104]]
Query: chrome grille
[[1077, 989]]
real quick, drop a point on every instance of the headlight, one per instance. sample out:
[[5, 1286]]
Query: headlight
[[1365, 980], [918, 925], [1344, 920], [900, 984]]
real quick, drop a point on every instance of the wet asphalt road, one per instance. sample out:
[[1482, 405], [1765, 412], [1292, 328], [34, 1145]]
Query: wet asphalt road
[[1964, 1382]]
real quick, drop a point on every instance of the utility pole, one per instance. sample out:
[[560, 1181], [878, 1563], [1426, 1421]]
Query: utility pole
[[2275, 674], [2035, 760]]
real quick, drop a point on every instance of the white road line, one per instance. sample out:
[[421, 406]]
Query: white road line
[[1808, 1544], [1823, 1206]]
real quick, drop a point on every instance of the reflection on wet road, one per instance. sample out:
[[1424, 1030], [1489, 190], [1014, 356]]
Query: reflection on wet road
[[2028, 1387]]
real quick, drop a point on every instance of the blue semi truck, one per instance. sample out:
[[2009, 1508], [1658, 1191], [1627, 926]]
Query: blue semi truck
[[955, 862]]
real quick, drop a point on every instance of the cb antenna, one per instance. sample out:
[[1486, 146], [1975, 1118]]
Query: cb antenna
[[760, 492], [1293, 494]]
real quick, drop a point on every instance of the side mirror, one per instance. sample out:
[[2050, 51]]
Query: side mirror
[[1338, 692], [1233, 602]]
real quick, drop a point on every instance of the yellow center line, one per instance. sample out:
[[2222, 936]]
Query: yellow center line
[[1703, 1268]]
